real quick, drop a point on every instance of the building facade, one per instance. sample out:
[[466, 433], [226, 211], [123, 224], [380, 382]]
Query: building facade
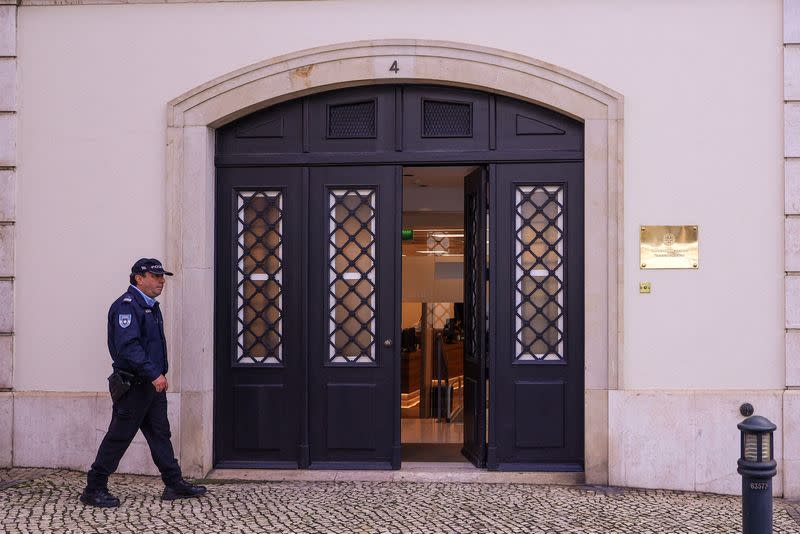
[[197, 132]]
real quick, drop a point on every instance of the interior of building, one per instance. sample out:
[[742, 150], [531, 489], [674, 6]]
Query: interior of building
[[432, 352]]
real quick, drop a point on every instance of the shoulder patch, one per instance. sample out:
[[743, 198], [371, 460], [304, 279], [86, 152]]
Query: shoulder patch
[[125, 320]]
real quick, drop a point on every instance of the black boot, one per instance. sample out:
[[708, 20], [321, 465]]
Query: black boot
[[182, 490], [100, 498]]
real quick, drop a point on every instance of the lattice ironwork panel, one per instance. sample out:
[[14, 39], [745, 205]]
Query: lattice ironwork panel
[[539, 238], [446, 119], [351, 275], [352, 121], [474, 276], [439, 313], [438, 243], [259, 277]]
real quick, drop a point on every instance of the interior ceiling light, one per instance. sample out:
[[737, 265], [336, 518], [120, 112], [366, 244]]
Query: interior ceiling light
[[440, 235]]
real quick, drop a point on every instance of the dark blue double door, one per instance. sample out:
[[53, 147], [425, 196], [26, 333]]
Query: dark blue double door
[[308, 316]]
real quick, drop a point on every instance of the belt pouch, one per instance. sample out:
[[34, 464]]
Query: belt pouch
[[119, 384]]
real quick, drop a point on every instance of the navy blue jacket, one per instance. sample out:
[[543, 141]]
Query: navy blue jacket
[[136, 336]]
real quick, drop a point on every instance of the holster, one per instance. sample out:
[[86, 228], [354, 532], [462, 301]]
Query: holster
[[119, 383]]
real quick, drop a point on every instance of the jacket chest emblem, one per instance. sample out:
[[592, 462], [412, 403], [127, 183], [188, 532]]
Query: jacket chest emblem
[[125, 320]]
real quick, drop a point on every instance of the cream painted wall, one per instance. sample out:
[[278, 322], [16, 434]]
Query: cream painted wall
[[424, 281], [412, 313], [703, 145]]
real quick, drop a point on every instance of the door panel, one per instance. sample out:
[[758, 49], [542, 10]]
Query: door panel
[[353, 330], [537, 280], [475, 317], [351, 416], [255, 403], [260, 381], [549, 397], [275, 130], [526, 126]]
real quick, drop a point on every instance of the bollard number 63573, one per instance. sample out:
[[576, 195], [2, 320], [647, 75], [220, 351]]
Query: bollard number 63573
[[759, 486]]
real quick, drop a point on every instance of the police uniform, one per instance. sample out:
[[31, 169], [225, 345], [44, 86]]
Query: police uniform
[[138, 348]]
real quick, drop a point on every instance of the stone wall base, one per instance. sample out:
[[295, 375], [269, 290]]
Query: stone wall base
[[682, 440], [688, 440], [6, 428], [64, 430]]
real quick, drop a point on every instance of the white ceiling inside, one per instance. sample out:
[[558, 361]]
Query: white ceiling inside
[[436, 189], [436, 176]]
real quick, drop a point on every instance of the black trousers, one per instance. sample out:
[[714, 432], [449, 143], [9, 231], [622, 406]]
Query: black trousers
[[140, 408]]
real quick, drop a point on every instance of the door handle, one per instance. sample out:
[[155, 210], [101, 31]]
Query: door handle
[[388, 343]]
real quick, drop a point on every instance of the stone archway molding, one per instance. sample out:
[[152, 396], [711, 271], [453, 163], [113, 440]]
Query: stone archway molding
[[193, 116]]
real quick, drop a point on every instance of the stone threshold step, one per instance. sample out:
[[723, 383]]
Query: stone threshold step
[[409, 472]]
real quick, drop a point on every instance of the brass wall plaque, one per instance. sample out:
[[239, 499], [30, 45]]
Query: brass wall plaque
[[668, 247]]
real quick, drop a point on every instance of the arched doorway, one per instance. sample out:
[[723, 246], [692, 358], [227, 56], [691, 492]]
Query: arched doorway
[[308, 351], [193, 118]]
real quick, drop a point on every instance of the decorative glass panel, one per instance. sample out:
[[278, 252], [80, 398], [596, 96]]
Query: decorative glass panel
[[539, 273], [351, 275], [259, 277]]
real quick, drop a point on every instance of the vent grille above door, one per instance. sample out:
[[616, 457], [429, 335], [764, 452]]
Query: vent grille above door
[[352, 121], [446, 119]]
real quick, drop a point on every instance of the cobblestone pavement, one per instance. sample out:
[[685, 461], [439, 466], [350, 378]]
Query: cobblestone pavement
[[39, 500]]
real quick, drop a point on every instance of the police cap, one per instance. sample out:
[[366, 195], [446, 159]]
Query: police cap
[[149, 265]]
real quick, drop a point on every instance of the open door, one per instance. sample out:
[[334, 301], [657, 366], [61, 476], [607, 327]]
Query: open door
[[475, 202]]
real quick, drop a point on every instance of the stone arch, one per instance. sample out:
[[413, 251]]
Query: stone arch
[[193, 116]]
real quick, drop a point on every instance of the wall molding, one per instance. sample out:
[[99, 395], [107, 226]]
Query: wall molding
[[791, 152], [8, 181], [69, 3]]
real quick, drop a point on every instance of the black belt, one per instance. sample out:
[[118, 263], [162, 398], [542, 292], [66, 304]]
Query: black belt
[[130, 377]]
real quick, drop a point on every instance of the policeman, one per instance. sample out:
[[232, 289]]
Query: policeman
[[139, 388]]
